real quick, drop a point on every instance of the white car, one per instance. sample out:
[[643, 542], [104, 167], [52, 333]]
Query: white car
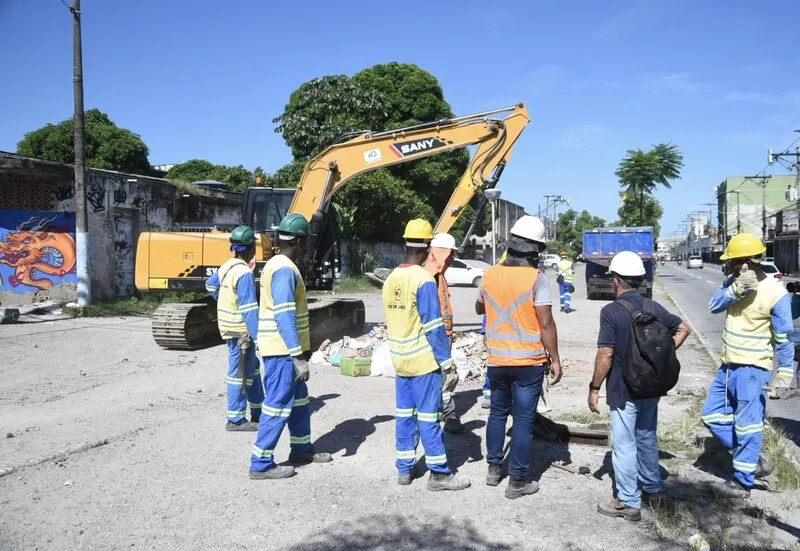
[[695, 261], [466, 272], [551, 260], [772, 270]]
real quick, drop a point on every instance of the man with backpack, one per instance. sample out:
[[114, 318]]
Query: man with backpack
[[636, 358]]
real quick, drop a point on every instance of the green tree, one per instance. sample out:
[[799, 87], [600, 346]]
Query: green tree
[[569, 230], [640, 172], [324, 109], [107, 145], [238, 177], [630, 213], [389, 96], [376, 206]]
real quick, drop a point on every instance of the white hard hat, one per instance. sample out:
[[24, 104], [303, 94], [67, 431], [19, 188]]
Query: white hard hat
[[627, 264], [444, 241], [530, 228]]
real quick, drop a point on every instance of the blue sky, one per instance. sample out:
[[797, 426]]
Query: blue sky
[[203, 79]]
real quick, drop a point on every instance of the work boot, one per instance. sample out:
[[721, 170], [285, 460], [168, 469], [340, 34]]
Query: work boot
[[275, 473], [764, 468], [454, 425], [440, 481], [494, 475], [486, 403], [615, 508], [517, 487], [731, 488], [309, 457], [244, 426], [255, 417], [405, 479], [562, 308]]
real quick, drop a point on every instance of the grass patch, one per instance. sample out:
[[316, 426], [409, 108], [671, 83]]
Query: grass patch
[[356, 284], [785, 475], [133, 306], [582, 417], [681, 437]]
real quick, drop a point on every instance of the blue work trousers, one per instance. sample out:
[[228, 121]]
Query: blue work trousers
[[419, 408], [734, 413], [286, 402], [515, 391], [237, 401], [634, 454], [566, 294]]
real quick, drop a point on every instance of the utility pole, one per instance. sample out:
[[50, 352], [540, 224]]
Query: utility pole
[[81, 220], [761, 181], [772, 157], [557, 199]]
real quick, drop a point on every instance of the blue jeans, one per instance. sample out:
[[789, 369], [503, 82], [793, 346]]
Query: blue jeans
[[514, 389], [634, 455], [487, 387]]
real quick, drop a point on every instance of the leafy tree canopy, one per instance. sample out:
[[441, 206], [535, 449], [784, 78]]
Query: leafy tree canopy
[[640, 172], [629, 213], [382, 97], [569, 231], [107, 145], [237, 177]]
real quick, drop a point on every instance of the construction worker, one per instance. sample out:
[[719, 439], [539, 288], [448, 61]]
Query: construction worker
[[284, 341], [758, 316], [634, 428], [565, 275], [440, 257], [234, 288], [520, 333], [420, 353]]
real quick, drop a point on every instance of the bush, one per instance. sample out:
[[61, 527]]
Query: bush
[[360, 261]]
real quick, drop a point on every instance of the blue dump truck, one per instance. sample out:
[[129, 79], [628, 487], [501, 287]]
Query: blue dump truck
[[599, 247]]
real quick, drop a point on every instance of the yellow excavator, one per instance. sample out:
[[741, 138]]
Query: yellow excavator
[[182, 261]]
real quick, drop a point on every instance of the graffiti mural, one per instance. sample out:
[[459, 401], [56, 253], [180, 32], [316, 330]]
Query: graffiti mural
[[37, 250]]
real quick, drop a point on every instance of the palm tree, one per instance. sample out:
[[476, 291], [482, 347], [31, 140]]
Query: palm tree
[[641, 171]]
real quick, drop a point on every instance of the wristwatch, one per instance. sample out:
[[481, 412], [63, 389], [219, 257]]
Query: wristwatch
[[595, 388]]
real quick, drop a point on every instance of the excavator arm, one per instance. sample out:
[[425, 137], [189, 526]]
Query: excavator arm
[[484, 169], [367, 151]]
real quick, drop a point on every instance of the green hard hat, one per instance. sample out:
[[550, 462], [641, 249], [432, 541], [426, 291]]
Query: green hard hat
[[294, 224], [243, 235]]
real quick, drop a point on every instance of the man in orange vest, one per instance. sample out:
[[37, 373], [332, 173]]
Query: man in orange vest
[[440, 257], [520, 333]]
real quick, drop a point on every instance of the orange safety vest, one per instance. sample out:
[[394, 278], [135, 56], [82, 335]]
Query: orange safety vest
[[513, 337], [436, 267]]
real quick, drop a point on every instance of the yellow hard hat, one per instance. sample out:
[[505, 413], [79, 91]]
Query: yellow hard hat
[[418, 229], [564, 253], [743, 245]]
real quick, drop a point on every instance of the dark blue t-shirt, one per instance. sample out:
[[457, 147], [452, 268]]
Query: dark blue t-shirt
[[615, 332]]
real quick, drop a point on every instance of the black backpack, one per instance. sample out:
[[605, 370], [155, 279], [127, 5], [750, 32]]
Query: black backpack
[[652, 367]]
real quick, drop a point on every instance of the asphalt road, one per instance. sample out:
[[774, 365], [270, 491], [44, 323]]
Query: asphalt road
[[691, 290]]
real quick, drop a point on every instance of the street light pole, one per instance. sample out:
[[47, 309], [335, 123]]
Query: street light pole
[[81, 219], [493, 195]]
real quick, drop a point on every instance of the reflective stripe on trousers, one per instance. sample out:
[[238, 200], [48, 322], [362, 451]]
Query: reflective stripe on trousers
[[237, 401], [419, 405]]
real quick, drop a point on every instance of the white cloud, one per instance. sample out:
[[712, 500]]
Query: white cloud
[[587, 135], [678, 83]]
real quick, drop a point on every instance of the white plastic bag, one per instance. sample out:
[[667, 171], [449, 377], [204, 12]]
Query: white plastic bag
[[381, 361], [318, 358], [463, 365]]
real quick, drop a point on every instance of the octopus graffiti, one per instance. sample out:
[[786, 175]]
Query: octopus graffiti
[[37, 250]]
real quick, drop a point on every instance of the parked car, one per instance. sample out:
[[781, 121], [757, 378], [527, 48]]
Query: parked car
[[772, 270], [695, 261], [551, 260], [466, 272]]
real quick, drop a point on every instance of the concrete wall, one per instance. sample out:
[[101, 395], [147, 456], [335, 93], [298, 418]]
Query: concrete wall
[[388, 254], [36, 194]]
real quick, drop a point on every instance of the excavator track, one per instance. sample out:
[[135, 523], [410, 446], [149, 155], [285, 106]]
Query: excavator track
[[186, 326], [193, 326]]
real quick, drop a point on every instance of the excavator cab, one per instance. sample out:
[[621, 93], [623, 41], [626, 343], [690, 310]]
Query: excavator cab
[[263, 210]]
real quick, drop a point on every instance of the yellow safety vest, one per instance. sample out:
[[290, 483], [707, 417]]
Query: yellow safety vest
[[411, 352], [229, 314], [270, 342], [747, 338], [565, 270]]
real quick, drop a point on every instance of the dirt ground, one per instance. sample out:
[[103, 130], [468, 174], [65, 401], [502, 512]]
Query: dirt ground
[[115, 443]]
